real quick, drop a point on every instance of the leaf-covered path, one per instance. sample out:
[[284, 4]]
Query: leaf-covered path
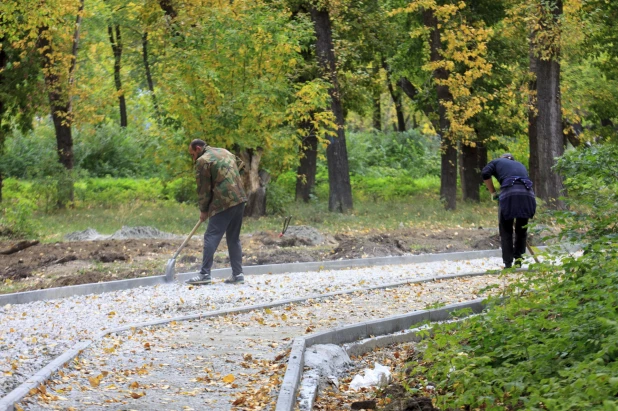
[[230, 362]]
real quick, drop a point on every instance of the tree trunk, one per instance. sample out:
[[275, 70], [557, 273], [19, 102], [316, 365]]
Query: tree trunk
[[572, 132], [448, 174], [116, 43], [377, 110], [340, 196], [472, 161], [168, 8], [4, 59], [396, 96], [551, 138], [149, 81], [60, 104], [533, 164], [255, 187], [305, 180]]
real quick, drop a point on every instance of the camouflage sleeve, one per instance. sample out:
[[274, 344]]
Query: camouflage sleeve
[[204, 189]]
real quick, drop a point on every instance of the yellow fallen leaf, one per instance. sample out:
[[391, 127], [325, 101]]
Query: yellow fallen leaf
[[136, 395], [134, 385], [229, 378], [268, 311], [95, 381]]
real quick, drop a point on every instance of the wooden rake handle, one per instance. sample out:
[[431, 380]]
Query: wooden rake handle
[[187, 239]]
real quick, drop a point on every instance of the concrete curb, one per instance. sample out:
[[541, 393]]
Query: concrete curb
[[98, 288], [342, 335], [290, 384]]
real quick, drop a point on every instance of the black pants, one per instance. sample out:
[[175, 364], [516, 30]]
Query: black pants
[[512, 250], [228, 222]]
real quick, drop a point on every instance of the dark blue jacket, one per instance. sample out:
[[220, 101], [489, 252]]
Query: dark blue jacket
[[517, 198]]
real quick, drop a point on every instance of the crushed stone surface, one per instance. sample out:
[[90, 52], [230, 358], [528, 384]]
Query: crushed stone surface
[[230, 362], [31, 335], [125, 233]]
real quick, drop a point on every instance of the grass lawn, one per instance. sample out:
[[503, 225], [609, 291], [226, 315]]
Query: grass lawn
[[420, 211]]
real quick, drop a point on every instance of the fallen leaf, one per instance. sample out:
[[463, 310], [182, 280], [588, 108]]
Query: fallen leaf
[[95, 381], [229, 378]]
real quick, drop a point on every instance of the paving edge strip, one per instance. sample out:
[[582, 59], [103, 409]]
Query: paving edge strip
[[16, 395], [109, 286], [383, 329]]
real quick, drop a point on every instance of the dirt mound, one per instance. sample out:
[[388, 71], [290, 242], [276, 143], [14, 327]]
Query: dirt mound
[[487, 243], [85, 278], [108, 257], [295, 236], [380, 245]]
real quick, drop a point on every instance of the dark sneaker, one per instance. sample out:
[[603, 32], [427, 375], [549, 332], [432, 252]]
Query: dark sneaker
[[507, 266], [518, 262], [200, 279], [236, 279]]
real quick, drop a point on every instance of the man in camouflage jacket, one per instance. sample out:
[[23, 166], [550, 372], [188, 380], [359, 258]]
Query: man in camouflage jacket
[[222, 201]]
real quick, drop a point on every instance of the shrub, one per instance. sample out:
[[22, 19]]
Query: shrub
[[114, 191], [554, 343], [16, 217], [183, 190]]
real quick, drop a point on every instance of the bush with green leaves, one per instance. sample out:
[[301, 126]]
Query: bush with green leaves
[[110, 192], [410, 153], [553, 343], [16, 216], [101, 151]]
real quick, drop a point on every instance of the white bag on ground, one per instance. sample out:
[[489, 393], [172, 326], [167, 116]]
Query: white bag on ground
[[380, 376]]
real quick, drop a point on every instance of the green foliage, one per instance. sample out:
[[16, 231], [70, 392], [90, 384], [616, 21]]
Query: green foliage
[[553, 343], [16, 213], [110, 192], [388, 154], [105, 150], [392, 187], [183, 190]]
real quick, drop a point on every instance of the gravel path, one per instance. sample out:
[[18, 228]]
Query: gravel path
[[223, 363], [33, 334]]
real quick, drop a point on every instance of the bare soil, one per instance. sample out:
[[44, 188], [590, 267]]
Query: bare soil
[[79, 262]]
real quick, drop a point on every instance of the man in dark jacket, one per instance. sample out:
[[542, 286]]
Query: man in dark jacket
[[221, 199], [517, 204]]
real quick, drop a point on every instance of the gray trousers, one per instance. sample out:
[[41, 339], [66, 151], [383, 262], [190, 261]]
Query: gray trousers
[[228, 222]]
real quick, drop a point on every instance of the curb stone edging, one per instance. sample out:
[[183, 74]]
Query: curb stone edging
[[118, 285], [296, 357], [383, 328]]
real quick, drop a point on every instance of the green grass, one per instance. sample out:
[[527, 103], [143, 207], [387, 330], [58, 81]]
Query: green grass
[[421, 211]]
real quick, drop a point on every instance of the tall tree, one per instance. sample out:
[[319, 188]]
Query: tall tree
[[550, 137], [59, 74], [149, 81], [396, 96], [448, 169], [115, 39], [340, 195]]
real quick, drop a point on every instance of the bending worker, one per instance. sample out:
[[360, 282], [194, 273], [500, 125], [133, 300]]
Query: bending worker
[[222, 201], [517, 204]]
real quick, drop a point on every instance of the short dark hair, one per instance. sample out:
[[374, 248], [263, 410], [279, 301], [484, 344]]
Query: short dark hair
[[197, 143], [508, 155]]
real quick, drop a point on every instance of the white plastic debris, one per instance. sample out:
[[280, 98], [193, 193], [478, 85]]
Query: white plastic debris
[[380, 376]]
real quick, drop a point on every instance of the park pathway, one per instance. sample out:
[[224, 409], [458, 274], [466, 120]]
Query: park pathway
[[228, 362]]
